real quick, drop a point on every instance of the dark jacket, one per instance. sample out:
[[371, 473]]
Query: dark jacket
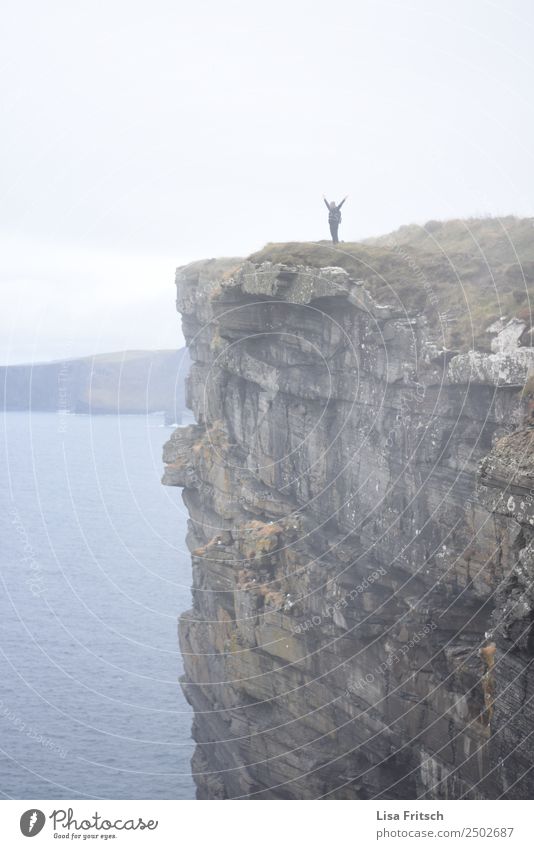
[[334, 215]]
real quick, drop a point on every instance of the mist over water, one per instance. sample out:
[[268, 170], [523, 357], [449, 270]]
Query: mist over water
[[94, 575]]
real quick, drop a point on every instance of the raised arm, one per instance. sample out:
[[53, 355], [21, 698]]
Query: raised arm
[[342, 202], [326, 202]]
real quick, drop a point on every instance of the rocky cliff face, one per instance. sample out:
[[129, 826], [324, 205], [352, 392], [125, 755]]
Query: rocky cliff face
[[362, 606]]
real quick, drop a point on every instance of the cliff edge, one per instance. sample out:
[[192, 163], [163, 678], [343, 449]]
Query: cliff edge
[[360, 491]]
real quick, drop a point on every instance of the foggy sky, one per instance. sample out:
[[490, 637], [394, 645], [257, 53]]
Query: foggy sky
[[137, 136]]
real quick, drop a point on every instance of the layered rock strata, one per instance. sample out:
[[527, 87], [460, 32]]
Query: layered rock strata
[[362, 612]]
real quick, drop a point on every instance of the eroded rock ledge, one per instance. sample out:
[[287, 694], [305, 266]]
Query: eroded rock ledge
[[362, 616]]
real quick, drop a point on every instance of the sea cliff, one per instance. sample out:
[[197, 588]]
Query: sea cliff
[[360, 490]]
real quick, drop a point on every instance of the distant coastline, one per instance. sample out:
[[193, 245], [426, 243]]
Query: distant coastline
[[124, 382]]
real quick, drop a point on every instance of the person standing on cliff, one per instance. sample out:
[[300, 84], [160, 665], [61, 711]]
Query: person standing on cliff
[[334, 217]]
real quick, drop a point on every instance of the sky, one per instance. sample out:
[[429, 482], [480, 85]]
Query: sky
[[138, 136]]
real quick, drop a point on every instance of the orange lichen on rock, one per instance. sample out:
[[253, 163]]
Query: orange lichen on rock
[[260, 538], [214, 436], [202, 550]]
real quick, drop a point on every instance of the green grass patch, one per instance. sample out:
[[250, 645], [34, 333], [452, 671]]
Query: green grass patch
[[462, 274]]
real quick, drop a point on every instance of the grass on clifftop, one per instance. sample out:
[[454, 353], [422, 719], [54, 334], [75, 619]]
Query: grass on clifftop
[[470, 272]]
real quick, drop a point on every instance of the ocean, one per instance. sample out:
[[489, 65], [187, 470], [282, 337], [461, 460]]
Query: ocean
[[94, 575]]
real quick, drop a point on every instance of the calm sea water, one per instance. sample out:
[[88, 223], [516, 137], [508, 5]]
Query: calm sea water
[[94, 574]]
